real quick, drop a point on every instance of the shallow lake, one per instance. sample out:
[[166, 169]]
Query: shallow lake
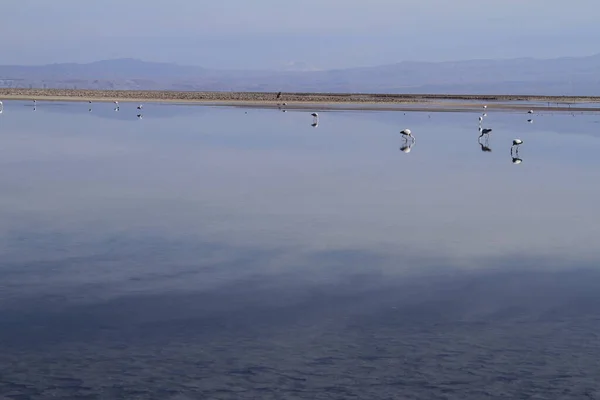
[[233, 253]]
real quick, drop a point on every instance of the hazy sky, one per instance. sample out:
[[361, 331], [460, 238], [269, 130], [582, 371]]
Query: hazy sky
[[276, 33]]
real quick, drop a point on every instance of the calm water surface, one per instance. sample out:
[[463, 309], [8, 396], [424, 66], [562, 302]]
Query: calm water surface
[[230, 253]]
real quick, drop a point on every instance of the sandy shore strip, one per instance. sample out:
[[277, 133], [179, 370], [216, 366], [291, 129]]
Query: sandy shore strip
[[322, 101]]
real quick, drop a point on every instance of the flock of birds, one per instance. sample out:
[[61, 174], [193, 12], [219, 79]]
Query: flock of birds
[[409, 139], [483, 139], [484, 136], [116, 108]]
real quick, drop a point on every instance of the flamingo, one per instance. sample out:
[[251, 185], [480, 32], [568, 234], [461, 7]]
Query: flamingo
[[406, 133], [515, 146], [315, 119]]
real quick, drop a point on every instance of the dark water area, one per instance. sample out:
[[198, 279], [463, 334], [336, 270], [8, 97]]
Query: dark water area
[[230, 253]]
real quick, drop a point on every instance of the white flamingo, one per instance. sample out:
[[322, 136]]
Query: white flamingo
[[515, 146], [315, 119], [406, 133]]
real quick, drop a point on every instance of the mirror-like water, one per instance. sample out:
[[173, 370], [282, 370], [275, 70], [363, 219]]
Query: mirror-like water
[[213, 252]]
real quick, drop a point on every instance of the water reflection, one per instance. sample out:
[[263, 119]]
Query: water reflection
[[484, 142], [209, 254]]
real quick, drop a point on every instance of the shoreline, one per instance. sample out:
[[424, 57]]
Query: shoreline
[[322, 101]]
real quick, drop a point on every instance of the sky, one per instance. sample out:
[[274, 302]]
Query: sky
[[308, 34]]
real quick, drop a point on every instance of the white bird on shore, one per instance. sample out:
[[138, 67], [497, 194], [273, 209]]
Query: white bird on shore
[[140, 107], [517, 142], [315, 115], [484, 107], [530, 112], [484, 114]]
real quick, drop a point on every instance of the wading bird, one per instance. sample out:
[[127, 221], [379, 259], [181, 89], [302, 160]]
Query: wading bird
[[514, 151], [407, 146], [485, 145], [315, 119]]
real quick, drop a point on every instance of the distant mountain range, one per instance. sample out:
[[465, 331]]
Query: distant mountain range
[[561, 76]]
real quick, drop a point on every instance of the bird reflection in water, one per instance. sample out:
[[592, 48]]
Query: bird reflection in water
[[409, 141], [514, 151], [484, 139], [484, 142], [315, 122]]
